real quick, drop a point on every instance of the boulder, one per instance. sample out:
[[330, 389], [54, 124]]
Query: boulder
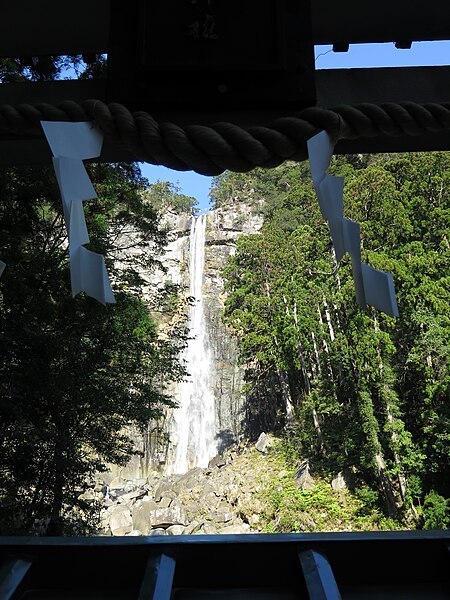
[[148, 502], [120, 520], [157, 532], [235, 529], [165, 517], [165, 502], [303, 478], [189, 480], [175, 530], [264, 443], [254, 519], [192, 528], [117, 484], [231, 492], [221, 516], [129, 496], [204, 489], [339, 482], [140, 482], [210, 501], [218, 461], [193, 509], [209, 529], [141, 516], [161, 488]]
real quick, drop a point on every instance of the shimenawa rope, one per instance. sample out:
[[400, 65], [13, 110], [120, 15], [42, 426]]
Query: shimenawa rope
[[212, 149]]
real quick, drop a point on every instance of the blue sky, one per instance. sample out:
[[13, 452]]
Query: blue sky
[[359, 55]]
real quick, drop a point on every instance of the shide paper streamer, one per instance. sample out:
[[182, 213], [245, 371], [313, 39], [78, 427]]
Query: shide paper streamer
[[70, 143], [2, 267], [371, 286]]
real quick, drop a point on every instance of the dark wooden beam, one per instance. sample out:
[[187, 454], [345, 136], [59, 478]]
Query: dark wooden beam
[[319, 577], [406, 564], [353, 21], [49, 27], [334, 87], [13, 573], [387, 84], [46, 27], [158, 578]]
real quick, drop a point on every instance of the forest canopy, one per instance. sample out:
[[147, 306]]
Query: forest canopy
[[360, 392], [74, 373]]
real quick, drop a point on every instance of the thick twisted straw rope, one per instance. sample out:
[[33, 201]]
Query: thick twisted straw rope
[[210, 150]]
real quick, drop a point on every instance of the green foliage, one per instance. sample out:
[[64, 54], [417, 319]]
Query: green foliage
[[45, 68], [73, 373], [292, 510], [436, 511], [165, 196], [370, 392]]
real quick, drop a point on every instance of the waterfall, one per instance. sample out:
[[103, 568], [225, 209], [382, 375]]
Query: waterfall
[[193, 431]]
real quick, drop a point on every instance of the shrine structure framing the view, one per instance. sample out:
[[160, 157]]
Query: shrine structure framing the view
[[239, 100]]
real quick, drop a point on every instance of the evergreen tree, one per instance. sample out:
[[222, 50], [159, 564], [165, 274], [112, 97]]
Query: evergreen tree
[[370, 392], [73, 373]]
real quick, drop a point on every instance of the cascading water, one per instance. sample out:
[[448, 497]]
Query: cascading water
[[193, 431]]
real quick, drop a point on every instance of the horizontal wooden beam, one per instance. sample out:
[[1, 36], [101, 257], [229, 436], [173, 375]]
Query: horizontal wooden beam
[[45, 28], [392, 564], [334, 87], [353, 21]]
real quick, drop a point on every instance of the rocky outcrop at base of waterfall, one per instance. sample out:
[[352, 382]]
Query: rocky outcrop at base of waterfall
[[249, 489], [222, 498]]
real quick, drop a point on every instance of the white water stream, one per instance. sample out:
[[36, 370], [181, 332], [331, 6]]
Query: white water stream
[[193, 431]]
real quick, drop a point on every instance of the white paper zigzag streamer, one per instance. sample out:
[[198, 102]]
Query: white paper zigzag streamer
[[371, 286], [2, 267], [70, 143]]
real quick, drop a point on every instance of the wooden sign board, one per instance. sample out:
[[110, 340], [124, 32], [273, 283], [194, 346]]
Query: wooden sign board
[[211, 54]]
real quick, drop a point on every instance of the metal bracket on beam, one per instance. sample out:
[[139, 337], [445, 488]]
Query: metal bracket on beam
[[319, 576], [158, 578], [12, 575]]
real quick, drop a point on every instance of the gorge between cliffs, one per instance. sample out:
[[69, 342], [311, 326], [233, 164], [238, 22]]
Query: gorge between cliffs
[[210, 417]]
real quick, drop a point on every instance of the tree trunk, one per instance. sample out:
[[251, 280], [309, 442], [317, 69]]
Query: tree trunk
[[286, 395], [369, 423], [284, 383], [307, 385], [328, 318], [386, 486], [390, 419]]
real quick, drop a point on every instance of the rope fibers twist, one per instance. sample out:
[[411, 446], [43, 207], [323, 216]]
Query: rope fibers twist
[[210, 150]]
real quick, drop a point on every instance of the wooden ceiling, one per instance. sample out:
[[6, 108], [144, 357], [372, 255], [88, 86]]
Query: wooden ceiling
[[50, 27], [29, 28]]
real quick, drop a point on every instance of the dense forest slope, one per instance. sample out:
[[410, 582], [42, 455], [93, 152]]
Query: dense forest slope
[[358, 391]]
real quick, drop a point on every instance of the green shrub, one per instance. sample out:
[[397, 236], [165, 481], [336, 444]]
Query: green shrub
[[436, 511]]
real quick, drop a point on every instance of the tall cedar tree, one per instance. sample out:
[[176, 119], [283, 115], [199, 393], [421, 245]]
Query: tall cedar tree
[[370, 393]]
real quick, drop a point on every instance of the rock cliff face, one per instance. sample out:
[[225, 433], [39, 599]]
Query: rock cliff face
[[223, 227]]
